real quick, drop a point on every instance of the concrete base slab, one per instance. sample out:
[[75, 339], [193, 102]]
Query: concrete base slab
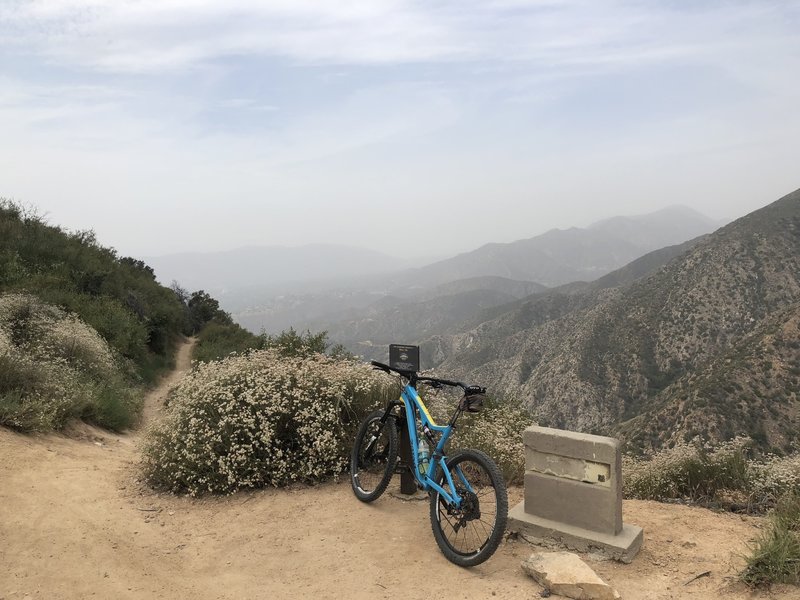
[[623, 547]]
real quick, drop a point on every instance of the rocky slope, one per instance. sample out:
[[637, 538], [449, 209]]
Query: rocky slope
[[430, 316], [702, 346], [546, 305]]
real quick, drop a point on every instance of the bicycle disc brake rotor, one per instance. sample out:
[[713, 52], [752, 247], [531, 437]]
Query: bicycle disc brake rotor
[[469, 511]]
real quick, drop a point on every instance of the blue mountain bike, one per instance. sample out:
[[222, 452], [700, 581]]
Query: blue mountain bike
[[468, 498]]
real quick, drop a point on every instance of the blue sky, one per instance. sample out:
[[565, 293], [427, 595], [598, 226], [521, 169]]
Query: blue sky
[[171, 125]]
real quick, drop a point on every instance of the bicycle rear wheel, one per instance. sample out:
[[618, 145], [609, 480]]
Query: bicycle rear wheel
[[468, 535], [374, 457]]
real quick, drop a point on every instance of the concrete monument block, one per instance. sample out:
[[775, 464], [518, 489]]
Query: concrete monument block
[[573, 493]]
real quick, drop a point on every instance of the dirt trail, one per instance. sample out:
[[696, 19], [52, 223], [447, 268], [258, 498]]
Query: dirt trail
[[154, 401], [75, 523]]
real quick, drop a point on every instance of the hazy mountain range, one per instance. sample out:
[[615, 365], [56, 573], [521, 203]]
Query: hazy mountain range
[[332, 287], [564, 255], [272, 268], [709, 344], [439, 309], [552, 258]]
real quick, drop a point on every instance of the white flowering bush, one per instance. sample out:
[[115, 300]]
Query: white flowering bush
[[688, 470], [53, 367], [37, 395], [73, 340], [50, 333], [775, 477], [725, 475], [260, 419], [497, 430]]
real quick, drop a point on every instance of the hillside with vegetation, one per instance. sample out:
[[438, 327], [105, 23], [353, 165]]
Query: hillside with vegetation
[[429, 317], [543, 305], [705, 346], [83, 331]]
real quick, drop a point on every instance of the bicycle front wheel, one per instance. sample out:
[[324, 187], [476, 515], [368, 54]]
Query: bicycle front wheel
[[469, 534], [374, 457]]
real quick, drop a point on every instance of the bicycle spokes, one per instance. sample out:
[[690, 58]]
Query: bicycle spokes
[[372, 457], [468, 527]]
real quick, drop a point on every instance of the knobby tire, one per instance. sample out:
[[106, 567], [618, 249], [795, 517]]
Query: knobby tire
[[370, 474], [471, 536]]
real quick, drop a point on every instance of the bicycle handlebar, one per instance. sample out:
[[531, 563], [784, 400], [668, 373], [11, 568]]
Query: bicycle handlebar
[[433, 380]]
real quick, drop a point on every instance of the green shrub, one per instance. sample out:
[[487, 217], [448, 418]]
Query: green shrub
[[260, 419], [114, 405], [291, 343], [201, 309], [217, 340], [775, 555], [221, 337], [118, 297]]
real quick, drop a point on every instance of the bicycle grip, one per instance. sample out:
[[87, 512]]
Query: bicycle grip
[[377, 365]]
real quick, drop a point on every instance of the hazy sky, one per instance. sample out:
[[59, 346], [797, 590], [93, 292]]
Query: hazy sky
[[169, 125]]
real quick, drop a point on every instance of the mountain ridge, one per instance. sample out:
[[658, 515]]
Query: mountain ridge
[[560, 256], [607, 355]]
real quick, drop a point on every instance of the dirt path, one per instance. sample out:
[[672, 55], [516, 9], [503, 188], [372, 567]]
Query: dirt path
[[154, 401], [75, 523]]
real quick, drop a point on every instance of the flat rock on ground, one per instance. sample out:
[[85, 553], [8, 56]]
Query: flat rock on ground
[[565, 574]]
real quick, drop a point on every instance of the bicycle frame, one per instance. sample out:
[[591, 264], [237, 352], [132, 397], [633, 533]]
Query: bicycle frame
[[468, 493], [411, 403]]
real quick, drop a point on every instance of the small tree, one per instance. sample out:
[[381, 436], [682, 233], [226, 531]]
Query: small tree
[[203, 309], [291, 343]]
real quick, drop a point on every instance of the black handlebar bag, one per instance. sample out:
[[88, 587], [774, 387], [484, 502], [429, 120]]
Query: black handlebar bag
[[473, 400]]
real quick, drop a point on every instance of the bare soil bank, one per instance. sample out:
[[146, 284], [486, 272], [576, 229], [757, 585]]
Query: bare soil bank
[[75, 523]]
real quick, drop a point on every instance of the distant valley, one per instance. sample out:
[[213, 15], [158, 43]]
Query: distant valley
[[367, 299]]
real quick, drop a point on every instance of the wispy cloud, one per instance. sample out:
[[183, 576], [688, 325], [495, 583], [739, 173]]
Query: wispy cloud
[[445, 101], [153, 35], [246, 103]]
